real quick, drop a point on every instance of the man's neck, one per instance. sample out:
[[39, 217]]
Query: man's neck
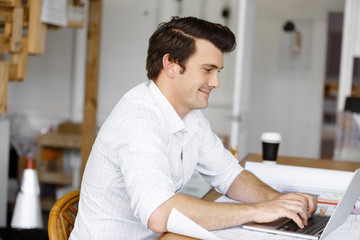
[[166, 90]]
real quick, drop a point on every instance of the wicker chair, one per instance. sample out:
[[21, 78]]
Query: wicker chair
[[62, 216]]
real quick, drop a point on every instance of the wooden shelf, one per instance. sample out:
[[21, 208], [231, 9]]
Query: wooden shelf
[[50, 168], [331, 90], [55, 178], [49, 157], [60, 140]]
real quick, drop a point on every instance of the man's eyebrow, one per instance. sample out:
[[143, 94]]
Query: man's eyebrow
[[211, 65]]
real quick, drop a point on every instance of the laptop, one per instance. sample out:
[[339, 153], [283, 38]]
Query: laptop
[[319, 225]]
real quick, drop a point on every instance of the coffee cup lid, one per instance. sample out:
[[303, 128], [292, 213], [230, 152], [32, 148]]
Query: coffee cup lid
[[271, 137]]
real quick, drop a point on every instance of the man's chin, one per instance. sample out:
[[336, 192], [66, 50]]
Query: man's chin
[[203, 106]]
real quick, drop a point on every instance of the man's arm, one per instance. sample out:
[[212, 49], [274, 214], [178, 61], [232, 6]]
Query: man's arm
[[265, 205], [248, 188]]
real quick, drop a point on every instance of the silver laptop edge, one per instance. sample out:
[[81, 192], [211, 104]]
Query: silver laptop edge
[[344, 207]]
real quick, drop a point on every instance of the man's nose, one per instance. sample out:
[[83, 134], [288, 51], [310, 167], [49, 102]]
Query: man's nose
[[214, 81]]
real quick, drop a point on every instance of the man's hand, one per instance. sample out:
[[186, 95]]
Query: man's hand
[[267, 204], [296, 206]]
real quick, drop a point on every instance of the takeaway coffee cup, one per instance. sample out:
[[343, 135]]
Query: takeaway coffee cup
[[270, 146]]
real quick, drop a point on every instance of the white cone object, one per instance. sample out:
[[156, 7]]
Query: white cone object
[[27, 210]]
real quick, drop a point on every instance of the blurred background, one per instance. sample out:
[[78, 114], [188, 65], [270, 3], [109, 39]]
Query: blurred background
[[285, 75]]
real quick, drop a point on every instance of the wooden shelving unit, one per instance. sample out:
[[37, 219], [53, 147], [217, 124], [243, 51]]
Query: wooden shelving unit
[[16, 18], [23, 16], [58, 142]]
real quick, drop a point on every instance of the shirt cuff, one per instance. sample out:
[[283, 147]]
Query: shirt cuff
[[151, 202], [223, 188]]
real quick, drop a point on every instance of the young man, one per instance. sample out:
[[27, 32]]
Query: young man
[[156, 137]]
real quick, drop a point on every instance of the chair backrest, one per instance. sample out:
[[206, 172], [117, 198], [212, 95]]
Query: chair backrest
[[62, 216]]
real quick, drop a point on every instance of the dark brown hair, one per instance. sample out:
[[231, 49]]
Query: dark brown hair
[[177, 38]]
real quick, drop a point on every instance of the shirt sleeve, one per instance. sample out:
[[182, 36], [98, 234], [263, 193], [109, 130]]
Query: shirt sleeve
[[144, 166], [216, 164]]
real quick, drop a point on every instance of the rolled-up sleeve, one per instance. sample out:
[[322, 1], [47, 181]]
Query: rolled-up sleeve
[[216, 164]]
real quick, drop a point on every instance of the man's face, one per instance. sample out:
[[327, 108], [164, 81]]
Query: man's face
[[201, 75]]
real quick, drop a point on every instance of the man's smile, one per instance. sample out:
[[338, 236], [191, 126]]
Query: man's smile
[[205, 91]]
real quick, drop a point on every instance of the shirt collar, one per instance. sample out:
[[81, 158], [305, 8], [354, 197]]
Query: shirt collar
[[176, 124]]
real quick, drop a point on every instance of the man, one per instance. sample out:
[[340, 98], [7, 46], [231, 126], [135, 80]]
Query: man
[[156, 137]]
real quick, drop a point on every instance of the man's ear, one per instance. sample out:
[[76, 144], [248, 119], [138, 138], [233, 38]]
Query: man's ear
[[169, 66]]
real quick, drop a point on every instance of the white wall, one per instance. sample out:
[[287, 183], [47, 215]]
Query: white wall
[[4, 166], [286, 91], [126, 27], [357, 33], [44, 96], [290, 105]]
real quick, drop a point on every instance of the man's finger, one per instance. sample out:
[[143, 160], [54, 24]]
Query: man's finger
[[299, 209]]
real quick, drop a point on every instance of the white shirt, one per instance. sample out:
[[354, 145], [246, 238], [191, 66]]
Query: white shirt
[[143, 155]]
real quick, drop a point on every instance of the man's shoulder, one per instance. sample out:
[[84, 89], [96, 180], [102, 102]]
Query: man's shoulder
[[139, 91], [137, 103], [132, 113], [137, 99]]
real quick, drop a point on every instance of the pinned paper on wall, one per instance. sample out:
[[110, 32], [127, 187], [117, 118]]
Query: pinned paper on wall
[[54, 12], [76, 12], [64, 13], [290, 61]]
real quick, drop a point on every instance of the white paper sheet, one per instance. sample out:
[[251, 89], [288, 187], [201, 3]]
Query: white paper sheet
[[301, 177], [54, 12], [180, 224]]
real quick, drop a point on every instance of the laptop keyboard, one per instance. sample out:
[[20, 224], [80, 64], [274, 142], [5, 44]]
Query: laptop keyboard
[[315, 224]]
